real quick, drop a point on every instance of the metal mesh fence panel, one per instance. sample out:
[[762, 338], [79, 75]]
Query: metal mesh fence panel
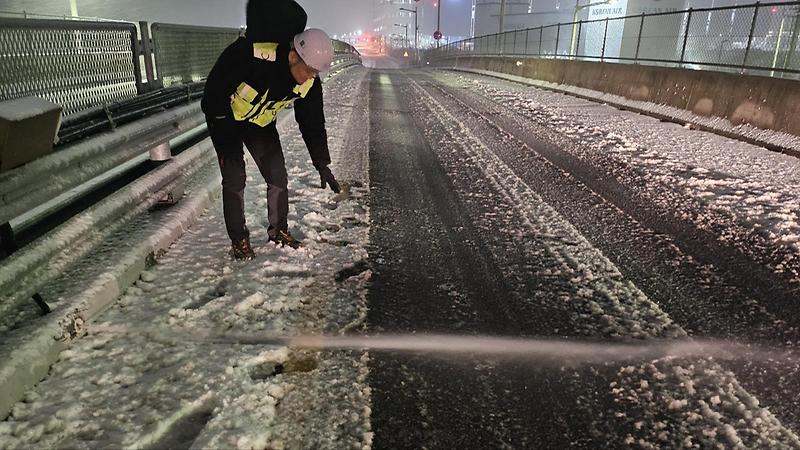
[[186, 54], [791, 60], [534, 41], [718, 36], [772, 35], [564, 36], [549, 40], [519, 42], [507, 43], [496, 44], [483, 44], [591, 39], [76, 64], [761, 39], [629, 37], [661, 37]]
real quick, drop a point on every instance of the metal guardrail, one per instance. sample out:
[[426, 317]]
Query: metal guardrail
[[340, 47], [39, 181], [77, 64], [27, 272], [760, 38], [42, 190]]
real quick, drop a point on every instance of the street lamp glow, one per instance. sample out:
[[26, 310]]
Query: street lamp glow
[[573, 46]]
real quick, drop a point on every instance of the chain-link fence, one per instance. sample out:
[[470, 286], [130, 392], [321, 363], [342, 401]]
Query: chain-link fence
[[77, 64], [760, 38]]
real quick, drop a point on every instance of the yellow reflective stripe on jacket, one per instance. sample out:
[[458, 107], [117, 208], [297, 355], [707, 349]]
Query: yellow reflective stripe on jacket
[[262, 113], [267, 51], [242, 102], [303, 89]]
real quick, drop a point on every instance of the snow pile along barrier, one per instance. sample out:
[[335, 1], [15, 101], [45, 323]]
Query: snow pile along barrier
[[758, 110]]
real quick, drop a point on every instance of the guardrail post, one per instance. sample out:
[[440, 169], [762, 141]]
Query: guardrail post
[[147, 51], [686, 35], [541, 35], [527, 35], [137, 69], [161, 152], [578, 40], [605, 35], [9, 244], [639, 40], [750, 37], [558, 35], [515, 42]]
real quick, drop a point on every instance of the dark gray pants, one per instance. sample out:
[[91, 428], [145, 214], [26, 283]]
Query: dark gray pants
[[265, 146]]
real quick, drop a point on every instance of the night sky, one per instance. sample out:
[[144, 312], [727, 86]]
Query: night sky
[[334, 16]]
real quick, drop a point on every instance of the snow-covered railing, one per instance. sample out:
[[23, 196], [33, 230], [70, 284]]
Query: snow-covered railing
[[39, 181], [30, 193], [26, 272]]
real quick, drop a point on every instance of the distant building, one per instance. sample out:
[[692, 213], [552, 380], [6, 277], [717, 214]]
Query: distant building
[[525, 14]]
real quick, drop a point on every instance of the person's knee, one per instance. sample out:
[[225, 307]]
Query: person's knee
[[233, 182], [278, 178]]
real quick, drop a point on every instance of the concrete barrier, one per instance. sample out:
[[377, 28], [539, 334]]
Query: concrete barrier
[[28, 128], [763, 102]]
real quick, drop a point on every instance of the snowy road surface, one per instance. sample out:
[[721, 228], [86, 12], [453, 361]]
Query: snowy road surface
[[474, 206]]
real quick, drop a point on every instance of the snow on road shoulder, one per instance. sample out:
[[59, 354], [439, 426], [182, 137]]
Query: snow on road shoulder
[[666, 402], [154, 384]]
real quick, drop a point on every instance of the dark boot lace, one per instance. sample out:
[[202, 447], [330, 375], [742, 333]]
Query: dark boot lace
[[241, 250], [284, 238]]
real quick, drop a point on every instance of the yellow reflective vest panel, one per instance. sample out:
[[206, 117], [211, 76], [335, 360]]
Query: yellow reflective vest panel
[[250, 105]]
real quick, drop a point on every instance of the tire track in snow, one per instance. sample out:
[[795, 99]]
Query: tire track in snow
[[668, 401]]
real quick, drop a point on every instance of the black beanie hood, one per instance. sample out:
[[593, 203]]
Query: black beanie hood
[[274, 20]]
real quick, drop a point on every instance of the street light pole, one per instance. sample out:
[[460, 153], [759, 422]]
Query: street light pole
[[406, 27], [438, 19], [502, 15], [416, 32], [572, 44]]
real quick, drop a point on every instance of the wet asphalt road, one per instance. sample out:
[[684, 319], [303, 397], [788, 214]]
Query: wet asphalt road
[[444, 263], [433, 273]]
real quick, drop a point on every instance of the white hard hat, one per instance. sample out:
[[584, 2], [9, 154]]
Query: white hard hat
[[314, 46]]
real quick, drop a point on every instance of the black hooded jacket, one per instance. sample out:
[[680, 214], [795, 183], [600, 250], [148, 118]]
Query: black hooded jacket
[[274, 20], [251, 81]]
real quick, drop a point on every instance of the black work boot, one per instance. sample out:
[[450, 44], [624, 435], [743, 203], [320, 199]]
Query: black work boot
[[241, 250], [283, 238]]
